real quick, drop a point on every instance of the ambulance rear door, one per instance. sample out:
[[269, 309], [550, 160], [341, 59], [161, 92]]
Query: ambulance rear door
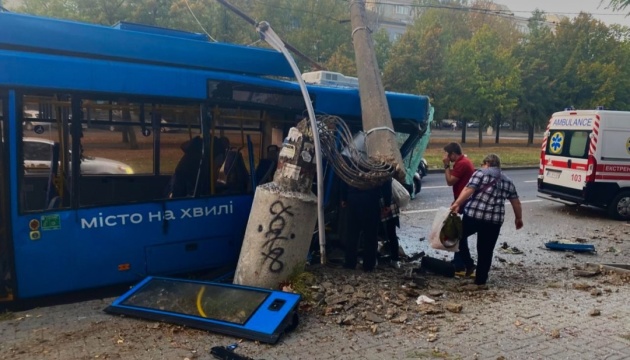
[[566, 153]]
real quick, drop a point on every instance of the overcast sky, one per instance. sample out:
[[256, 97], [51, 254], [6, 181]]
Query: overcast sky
[[569, 8]]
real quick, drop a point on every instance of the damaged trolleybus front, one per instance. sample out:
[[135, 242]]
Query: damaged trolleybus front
[[585, 160], [112, 97]]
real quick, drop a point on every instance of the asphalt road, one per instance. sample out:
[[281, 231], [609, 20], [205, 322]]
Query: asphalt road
[[544, 220], [436, 193]]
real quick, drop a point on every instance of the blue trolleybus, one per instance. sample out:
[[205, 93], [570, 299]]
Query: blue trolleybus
[[130, 151]]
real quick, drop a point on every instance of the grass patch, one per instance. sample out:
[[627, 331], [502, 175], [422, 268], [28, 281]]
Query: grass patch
[[513, 152], [510, 157], [7, 315], [300, 281]]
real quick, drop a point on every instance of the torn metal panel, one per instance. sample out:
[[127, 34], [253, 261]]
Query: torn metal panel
[[241, 311]]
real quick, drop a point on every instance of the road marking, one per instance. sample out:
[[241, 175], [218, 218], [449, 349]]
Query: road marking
[[446, 186], [417, 211], [431, 210]]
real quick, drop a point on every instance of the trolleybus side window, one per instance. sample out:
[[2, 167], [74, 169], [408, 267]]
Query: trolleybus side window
[[42, 184], [130, 151]]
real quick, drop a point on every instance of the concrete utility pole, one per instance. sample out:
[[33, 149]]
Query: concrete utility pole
[[283, 216], [377, 120]]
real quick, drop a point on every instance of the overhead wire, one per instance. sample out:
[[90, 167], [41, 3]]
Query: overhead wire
[[301, 11], [352, 165], [198, 22], [498, 12]]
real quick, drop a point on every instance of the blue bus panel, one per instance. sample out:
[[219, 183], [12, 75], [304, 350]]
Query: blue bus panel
[[241, 311], [79, 249], [39, 34]]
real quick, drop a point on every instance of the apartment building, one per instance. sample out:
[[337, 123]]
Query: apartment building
[[396, 15]]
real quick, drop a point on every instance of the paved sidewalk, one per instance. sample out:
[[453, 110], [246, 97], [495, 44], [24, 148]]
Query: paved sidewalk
[[527, 324], [536, 308]]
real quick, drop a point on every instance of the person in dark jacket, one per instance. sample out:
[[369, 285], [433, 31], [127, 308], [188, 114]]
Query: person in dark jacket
[[189, 173], [364, 218], [390, 220]]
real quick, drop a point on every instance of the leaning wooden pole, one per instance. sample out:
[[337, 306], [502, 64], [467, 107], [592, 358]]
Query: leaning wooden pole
[[377, 120]]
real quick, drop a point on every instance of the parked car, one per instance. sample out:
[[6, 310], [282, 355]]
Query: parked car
[[506, 125], [38, 152], [37, 126], [474, 124], [163, 128], [447, 123]]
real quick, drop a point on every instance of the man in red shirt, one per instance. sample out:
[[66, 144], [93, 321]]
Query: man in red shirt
[[458, 177]]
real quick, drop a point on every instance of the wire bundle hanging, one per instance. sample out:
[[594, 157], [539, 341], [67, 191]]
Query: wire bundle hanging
[[352, 165]]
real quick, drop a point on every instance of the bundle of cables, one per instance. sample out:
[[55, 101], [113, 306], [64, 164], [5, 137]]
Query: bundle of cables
[[350, 162]]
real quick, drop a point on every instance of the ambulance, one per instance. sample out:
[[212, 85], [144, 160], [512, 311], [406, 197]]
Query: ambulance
[[585, 160]]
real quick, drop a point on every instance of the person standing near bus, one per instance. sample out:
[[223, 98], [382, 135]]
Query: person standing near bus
[[364, 212], [390, 219], [488, 189], [458, 177]]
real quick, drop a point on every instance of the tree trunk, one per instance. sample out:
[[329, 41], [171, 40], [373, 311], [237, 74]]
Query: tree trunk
[[128, 135], [480, 134], [497, 125]]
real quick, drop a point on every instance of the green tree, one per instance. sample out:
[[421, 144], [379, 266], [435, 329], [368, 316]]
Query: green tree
[[382, 47], [214, 19], [617, 5], [342, 61], [416, 62], [483, 79], [63, 9], [314, 27], [587, 61], [538, 91]]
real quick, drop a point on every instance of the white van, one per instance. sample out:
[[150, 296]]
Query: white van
[[330, 78], [585, 159]]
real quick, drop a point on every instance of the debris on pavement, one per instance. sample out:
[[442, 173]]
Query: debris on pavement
[[622, 269], [227, 353], [454, 308], [589, 270], [565, 245], [423, 299]]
